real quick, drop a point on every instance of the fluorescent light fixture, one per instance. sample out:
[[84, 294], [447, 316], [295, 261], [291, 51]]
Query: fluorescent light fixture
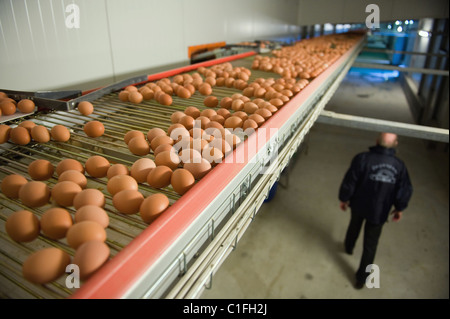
[[411, 22], [424, 34], [399, 29], [389, 27], [398, 22], [406, 22]]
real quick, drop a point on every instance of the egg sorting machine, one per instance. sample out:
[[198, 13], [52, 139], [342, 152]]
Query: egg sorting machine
[[177, 254]]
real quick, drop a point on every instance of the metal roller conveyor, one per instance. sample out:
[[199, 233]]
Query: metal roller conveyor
[[176, 255]]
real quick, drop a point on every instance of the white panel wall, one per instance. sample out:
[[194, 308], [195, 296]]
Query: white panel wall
[[37, 51], [120, 37]]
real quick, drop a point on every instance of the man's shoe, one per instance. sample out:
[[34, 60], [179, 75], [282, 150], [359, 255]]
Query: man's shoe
[[359, 284]]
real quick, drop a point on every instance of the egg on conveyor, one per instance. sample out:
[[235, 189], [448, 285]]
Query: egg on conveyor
[[128, 201], [182, 180], [94, 129], [85, 231], [45, 265], [63, 193], [34, 194], [92, 213], [11, 185], [153, 206], [89, 196], [40, 170], [90, 256], [55, 222], [97, 166], [22, 226]]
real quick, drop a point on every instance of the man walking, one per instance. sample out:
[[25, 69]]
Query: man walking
[[375, 181]]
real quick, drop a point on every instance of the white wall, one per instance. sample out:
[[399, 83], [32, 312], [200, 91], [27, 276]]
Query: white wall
[[117, 37]]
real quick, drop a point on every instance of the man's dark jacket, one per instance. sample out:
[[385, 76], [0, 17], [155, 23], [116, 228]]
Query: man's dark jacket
[[376, 181]]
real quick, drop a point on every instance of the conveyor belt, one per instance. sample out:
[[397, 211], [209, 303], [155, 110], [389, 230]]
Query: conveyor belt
[[152, 258]]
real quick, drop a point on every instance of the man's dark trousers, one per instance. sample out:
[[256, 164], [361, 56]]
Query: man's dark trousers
[[372, 233]]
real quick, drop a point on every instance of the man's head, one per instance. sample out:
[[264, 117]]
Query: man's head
[[388, 140]]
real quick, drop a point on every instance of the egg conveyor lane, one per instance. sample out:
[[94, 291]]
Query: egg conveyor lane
[[177, 254]]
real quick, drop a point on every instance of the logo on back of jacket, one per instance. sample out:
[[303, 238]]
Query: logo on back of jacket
[[384, 173]]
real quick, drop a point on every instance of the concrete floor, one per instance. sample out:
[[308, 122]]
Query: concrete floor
[[294, 247]]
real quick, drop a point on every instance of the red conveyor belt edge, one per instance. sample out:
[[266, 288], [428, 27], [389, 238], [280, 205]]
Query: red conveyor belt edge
[[187, 68], [120, 273]]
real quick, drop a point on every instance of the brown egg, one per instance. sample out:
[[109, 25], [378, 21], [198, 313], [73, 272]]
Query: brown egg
[[213, 155], [123, 95], [60, 133], [211, 101], [153, 206], [97, 166], [121, 182], [221, 144], [226, 102], [167, 158], [176, 116], [165, 99], [265, 113], [133, 133], [205, 89], [250, 107], [45, 265], [173, 127], [139, 146], [233, 122], [155, 132], [5, 132], [233, 140], [55, 222], [237, 105], [89, 196], [198, 170], [162, 148], [192, 111], [183, 92], [187, 121], [7, 107], [85, 231], [276, 102], [73, 176], [85, 108], [69, 164], [259, 120], [159, 177], [182, 180], [93, 213], [141, 168], [117, 169], [250, 125], [90, 257], [40, 134], [208, 113], [22, 226], [131, 88], [188, 155], [63, 193], [135, 97], [94, 129], [28, 125], [160, 140], [34, 194], [128, 201], [223, 112], [218, 118], [40, 170], [11, 185], [20, 135], [198, 144]]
